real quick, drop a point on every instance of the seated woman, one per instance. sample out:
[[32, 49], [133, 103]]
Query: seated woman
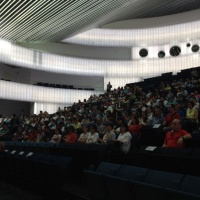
[[191, 112], [124, 139], [76, 124], [135, 126], [85, 119], [143, 119], [71, 136], [83, 137], [93, 135], [109, 136], [56, 137], [191, 118]]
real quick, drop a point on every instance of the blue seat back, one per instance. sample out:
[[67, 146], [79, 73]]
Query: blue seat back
[[133, 173], [164, 179], [108, 168]]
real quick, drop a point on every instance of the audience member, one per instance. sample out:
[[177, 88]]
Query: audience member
[[124, 138], [93, 135], [56, 137], [109, 136], [175, 137], [83, 137], [71, 136], [157, 117], [173, 114]]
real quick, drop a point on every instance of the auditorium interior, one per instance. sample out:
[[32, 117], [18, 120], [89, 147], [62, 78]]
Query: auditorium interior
[[100, 100]]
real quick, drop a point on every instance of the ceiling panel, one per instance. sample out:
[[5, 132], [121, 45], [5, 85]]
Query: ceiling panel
[[50, 20], [41, 21]]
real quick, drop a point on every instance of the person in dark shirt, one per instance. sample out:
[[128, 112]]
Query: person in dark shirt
[[173, 114]]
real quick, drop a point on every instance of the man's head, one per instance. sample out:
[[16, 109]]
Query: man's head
[[171, 108], [99, 121], [157, 112], [176, 125], [109, 126]]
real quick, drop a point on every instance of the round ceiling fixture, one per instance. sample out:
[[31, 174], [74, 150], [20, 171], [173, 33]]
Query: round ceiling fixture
[[161, 54], [195, 48], [175, 51], [143, 52]]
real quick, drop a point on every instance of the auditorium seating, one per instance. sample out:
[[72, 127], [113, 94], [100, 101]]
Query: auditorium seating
[[83, 155], [34, 171], [132, 183], [184, 161]]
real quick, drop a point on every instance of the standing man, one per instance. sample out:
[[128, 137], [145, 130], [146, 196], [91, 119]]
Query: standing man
[[109, 86]]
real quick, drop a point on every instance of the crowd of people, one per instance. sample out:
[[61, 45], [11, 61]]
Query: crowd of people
[[115, 117]]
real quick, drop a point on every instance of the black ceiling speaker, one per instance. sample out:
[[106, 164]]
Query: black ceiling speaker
[[143, 52], [161, 54], [175, 51], [195, 48], [188, 45]]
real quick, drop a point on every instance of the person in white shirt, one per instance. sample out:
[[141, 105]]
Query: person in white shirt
[[109, 136], [84, 136], [56, 137], [93, 135], [124, 138]]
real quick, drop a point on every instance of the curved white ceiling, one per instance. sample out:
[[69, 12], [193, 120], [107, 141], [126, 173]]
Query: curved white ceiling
[[153, 22], [52, 20], [138, 37]]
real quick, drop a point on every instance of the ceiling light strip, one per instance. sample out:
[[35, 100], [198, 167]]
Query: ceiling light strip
[[7, 6], [70, 20], [35, 18], [54, 19], [103, 9], [24, 19], [37, 27], [14, 27], [15, 10]]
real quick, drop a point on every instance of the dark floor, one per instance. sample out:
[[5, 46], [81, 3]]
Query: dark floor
[[10, 192]]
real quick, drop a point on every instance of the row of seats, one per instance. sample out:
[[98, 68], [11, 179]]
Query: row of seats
[[60, 86], [186, 160], [83, 155], [36, 171], [115, 181]]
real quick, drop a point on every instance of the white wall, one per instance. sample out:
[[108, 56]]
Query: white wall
[[31, 93], [119, 72], [93, 52], [31, 76], [49, 107]]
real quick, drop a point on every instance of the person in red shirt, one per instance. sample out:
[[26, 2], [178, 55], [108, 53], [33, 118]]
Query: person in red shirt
[[170, 117], [135, 126], [33, 135], [175, 137], [71, 136]]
